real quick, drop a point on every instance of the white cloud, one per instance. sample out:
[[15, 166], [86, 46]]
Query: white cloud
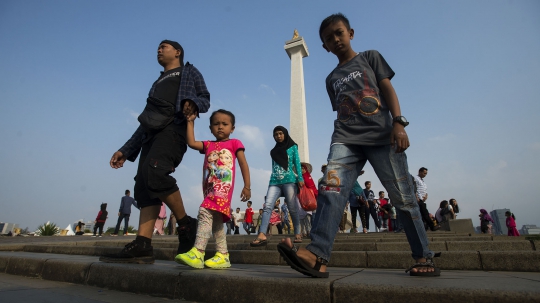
[[134, 114], [268, 88], [250, 136]]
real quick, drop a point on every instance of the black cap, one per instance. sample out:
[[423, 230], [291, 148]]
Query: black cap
[[177, 46]]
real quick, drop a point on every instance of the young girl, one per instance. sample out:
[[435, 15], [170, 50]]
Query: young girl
[[511, 224], [216, 207], [284, 181], [100, 219]]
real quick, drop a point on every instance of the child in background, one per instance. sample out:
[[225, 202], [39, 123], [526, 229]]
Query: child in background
[[511, 224], [100, 219], [218, 185], [248, 218], [485, 220]]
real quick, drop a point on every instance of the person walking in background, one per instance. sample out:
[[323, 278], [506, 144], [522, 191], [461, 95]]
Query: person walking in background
[[160, 222], [371, 208], [383, 215], [285, 179], [219, 172], [422, 196], [285, 218], [485, 221], [248, 218], [160, 139], [230, 223], [236, 222], [124, 212], [100, 219], [444, 213], [356, 200], [511, 224], [310, 184]]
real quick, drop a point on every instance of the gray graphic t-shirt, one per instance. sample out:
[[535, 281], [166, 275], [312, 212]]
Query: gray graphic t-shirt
[[363, 117]]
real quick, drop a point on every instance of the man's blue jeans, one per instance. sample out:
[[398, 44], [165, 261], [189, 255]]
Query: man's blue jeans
[[124, 217], [344, 165], [274, 192]]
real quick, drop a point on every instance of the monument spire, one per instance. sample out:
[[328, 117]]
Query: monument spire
[[296, 49]]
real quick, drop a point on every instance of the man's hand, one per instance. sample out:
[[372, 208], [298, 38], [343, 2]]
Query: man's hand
[[117, 160], [399, 139], [190, 108]]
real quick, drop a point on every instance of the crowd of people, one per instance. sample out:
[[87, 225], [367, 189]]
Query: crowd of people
[[369, 127]]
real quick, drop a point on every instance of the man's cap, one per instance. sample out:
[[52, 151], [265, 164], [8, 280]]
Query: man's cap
[[174, 44]]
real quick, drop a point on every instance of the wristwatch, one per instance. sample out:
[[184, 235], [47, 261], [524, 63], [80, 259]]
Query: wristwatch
[[401, 120]]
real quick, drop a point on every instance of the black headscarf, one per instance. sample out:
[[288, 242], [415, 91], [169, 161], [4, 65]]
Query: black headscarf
[[279, 152]]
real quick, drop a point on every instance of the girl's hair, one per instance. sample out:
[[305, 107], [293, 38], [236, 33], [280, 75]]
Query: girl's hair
[[222, 111], [508, 213], [228, 153], [443, 204]]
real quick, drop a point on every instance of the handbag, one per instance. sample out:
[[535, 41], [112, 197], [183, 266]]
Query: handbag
[[307, 199], [157, 114]]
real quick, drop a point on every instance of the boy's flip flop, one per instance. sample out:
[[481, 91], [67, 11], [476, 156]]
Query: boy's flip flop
[[429, 264], [289, 255], [260, 242]]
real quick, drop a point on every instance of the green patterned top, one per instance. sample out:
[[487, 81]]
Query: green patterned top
[[294, 172]]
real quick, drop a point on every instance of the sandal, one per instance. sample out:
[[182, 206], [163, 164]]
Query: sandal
[[298, 240], [429, 263], [260, 242], [290, 256]]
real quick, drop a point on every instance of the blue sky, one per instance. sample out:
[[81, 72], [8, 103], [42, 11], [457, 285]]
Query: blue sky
[[74, 76]]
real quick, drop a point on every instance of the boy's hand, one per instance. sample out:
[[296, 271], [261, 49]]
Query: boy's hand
[[245, 195], [117, 160], [190, 108], [399, 139]]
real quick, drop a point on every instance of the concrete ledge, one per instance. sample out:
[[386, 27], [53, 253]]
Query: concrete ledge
[[28, 267], [155, 279], [461, 226], [404, 246], [347, 259], [388, 286], [254, 257], [489, 246], [511, 261], [66, 271], [354, 247], [12, 247], [451, 260], [4, 260], [536, 244]]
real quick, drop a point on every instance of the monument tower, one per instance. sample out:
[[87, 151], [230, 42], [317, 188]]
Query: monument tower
[[296, 49]]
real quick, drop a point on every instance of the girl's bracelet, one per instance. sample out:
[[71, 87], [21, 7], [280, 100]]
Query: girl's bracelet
[[247, 188]]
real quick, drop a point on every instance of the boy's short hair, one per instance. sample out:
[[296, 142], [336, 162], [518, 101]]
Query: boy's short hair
[[366, 183], [223, 111], [422, 169], [238, 208], [331, 20], [127, 191], [381, 192], [249, 202], [260, 209]]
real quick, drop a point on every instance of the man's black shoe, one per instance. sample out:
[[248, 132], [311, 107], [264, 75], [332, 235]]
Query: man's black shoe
[[186, 235], [133, 252]]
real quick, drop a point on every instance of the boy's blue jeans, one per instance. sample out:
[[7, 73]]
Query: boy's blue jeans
[[274, 192], [344, 165]]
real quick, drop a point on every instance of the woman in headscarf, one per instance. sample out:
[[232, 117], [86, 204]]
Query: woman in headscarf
[[285, 179], [485, 221]]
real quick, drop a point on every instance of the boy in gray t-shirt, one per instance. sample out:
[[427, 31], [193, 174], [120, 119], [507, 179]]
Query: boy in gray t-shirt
[[363, 97]]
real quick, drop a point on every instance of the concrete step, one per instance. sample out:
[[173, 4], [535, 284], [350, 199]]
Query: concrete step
[[263, 283], [462, 259]]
